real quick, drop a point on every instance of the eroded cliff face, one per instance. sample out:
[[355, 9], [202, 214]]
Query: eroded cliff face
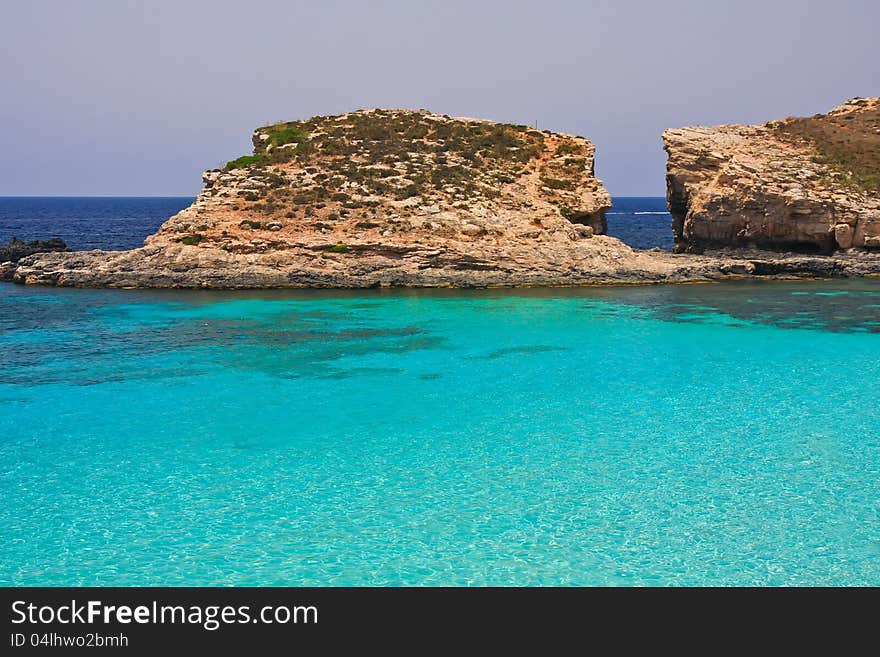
[[803, 185]]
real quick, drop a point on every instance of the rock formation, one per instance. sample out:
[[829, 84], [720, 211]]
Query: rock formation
[[402, 198], [18, 249], [378, 197], [805, 185]]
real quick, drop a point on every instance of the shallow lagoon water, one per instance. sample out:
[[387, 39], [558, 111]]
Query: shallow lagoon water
[[700, 434]]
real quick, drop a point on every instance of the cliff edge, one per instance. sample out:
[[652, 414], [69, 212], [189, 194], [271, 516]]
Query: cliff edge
[[807, 185]]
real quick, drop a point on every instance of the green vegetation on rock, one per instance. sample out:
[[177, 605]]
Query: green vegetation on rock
[[344, 168], [245, 161], [288, 134], [388, 137], [849, 143]]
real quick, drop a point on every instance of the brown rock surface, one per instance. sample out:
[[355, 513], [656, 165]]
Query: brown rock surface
[[805, 185]]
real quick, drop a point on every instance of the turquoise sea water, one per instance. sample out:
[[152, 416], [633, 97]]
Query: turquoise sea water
[[708, 434]]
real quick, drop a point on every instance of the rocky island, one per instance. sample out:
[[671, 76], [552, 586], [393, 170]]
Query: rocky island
[[378, 198]]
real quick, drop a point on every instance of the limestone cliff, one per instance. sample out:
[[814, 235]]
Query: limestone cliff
[[805, 185]]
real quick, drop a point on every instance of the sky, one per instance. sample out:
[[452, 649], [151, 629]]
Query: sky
[[125, 97]]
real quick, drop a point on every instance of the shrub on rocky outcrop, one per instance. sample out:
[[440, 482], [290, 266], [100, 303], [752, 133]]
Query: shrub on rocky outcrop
[[245, 161], [288, 135], [849, 143]]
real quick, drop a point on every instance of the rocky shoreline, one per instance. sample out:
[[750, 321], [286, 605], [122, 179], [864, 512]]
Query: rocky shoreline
[[394, 198], [189, 267], [18, 249]]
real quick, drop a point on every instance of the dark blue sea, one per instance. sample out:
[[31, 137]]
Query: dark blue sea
[[640, 221], [115, 223]]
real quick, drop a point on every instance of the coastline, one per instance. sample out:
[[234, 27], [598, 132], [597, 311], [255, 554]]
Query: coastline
[[402, 198]]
